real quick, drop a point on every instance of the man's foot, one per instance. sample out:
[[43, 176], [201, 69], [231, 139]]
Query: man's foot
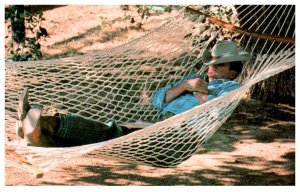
[[31, 125], [39, 131], [23, 108]]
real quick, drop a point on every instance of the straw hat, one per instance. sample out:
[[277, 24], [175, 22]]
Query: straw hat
[[224, 52]]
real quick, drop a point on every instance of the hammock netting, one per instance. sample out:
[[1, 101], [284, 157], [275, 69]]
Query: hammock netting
[[118, 84]]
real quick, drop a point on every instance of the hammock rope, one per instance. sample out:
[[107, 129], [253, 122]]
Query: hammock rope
[[117, 84]]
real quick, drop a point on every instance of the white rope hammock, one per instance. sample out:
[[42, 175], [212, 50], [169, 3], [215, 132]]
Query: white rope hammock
[[117, 84]]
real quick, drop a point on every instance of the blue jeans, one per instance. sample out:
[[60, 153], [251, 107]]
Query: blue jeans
[[75, 130]]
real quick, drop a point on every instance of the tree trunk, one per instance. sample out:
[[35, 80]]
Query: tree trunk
[[17, 24], [277, 89]]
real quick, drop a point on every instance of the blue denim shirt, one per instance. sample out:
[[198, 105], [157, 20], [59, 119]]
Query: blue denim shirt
[[186, 101]]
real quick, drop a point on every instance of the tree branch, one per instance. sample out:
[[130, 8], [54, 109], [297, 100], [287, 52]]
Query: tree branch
[[234, 28]]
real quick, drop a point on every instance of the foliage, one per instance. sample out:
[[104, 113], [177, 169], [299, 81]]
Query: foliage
[[26, 32], [203, 30], [104, 22], [144, 12]]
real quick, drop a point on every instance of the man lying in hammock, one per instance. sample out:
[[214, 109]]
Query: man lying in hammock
[[62, 130], [224, 65]]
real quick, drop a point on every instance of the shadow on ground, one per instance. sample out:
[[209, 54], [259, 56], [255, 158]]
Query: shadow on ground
[[252, 120], [106, 175]]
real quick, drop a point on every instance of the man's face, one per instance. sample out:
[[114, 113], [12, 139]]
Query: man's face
[[220, 71]]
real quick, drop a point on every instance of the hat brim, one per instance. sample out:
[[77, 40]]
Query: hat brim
[[240, 56]]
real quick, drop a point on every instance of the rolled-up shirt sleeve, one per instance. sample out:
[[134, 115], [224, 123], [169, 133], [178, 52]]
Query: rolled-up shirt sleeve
[[158, 99]]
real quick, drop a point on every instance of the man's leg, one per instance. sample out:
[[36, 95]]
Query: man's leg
[[60, 130], [68, 130], [79, 131]]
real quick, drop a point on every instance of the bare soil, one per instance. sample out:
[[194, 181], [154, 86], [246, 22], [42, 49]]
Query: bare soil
[[256, 146]]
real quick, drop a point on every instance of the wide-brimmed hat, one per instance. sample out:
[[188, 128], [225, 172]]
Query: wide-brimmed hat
[[224, 52]]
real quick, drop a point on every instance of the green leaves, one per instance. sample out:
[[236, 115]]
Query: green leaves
[[29, 24]]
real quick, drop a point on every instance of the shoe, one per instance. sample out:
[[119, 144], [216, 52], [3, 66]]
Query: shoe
[[23, 105], [35, 129], [23, 108], [28, 126], [31, 125]]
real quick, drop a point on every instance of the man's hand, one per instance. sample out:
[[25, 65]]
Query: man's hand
[[196, 85], [202, 97], [192, 85]]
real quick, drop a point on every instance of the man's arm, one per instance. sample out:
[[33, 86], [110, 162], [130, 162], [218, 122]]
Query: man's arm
[[191, 85], [165, 95], [174, 92]]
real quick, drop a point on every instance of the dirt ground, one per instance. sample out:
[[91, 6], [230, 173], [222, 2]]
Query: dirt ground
[[256, 146], [80, 29]]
